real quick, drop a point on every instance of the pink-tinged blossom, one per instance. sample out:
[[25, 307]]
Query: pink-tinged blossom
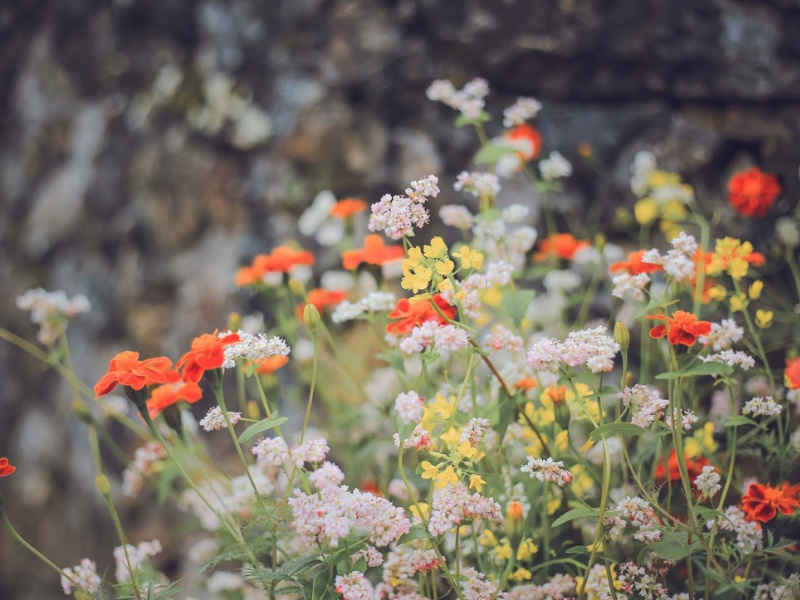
[[641, 582], [370, 554], [409, 407], [51, 311], [473, 431], [547, 471], [327, 475], [456, 215], [423, 561], [137, 555], [445, 338], [419, 439], [678, 263], [723, 335], [253, 348], [732, 358], [503, 339], [687, 419], [215, 420], [708, 481], [453, 503], [590, 347], [272, 451], [560, 587], [762, 407], [519, 112], [748, 533], [144, 458], [355, 586], [635, 284], [312, 451], [397, 216], [475, 587], [84, 575], [482, 185], [469, 100], [646, 405]]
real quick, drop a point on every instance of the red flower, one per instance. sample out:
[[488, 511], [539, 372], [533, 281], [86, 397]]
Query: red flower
[[684, 328], [207, 353], [562, 245], [635, 265], [529, 138], [763, 502], [792, 374], [348, 207], [693, 467], [751, 192], [126, 369], [374, 252], [167, 395], [281, 260], [322, 299], [411, 314], [5, 468], [271, 364]]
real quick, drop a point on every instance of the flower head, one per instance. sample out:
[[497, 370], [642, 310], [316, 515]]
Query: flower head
[[207, 353], [763, 502], [751, 192], [5, 468], [561, 245], [374, 252], [411, 314], [684, 328], [126, 369], [281, 260], [792, 373], [171, 393], [348, 207]]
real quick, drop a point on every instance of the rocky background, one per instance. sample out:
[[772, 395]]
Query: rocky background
[[147, 148]]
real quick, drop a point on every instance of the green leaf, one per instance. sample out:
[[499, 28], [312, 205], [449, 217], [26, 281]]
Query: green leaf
[[417, 532], [671, 549], [462, 121], [491, 153], [709, 368], [506, 412], [611, 429], [738, 420], [515, 304], [260, 427], [576, 513]]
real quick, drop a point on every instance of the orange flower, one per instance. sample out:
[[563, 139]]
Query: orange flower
[[281, 260], [271, 364], [763, 502], [684, 328], [792, 374], [207, 353], [693, 467], [751, 192], [370, 486], [374, 252], [526, 383], [126, 369], [167, 395], [5, 468], [635, 265], [529, 137], [348, 207], [411, 314], [562, 245]]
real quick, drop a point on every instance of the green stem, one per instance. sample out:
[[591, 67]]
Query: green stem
[[598, 532]]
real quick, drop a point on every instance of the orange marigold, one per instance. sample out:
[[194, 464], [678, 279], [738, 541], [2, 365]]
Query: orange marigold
[[562, 245], [5, 468], [684, 328], [207, 353], [764, 502], [672, 470], [751, 192], [126, 369], [791, 375], [635, 265], [411, 314], [348, 207], [271, 364], [169, 394], [374, 252], [281, 260]]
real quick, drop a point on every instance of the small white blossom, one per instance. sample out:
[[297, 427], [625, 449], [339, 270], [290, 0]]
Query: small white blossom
[[519, 112], [762, 407], [555, 167], [215, 420], [708, 481]]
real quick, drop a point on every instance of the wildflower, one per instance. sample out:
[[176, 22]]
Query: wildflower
[[469, 101], [144, 464], [453, 504], [761, 407], [672, 470], [470, 259], [456, 215], [731, 358], [85, 575], [374, 302], [561, 245], [171, 393], [126, 369], [281, 260], [348, 207], [397, 216], [722, 335], [547, 471], [734, 257], [374, 252], [136, 554], [323, 299], [224, 581], [482, 185], [635, 264], [312, 451], [792, 373], [763, 502], [764, 318], [51, 311], [355, 586], [272, 451], [748, 532], [476, 482], [5, 468], [684, 328], [316, 220], [411, 314], [519, 112], [555, 166], [503, 339], [751, 192], [207, 353], [646, 405], [409, 407], [271, 364], [527, 140], [215, 420], [590, 347], [327, 475], [787, 232], [708, 481]]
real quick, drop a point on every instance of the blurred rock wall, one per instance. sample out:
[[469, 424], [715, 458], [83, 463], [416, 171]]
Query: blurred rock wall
[[147, 148]]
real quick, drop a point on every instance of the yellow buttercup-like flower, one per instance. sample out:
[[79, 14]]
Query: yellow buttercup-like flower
[[446, 477], [437, 248], [429, 471], [476, 482], [451, 437], [445, 267], [444, 408], [764, 318], [417, 279], [755, 290], [645, 211], [469, 258]]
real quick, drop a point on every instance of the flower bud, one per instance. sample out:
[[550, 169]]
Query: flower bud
[[103, 486], [515, 524], [621, 335], [82, 412], [297, 287], [311, 318], [234, 321]]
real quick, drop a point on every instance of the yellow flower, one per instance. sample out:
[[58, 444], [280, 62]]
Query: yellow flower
[[562, 440], [527, 549], [429, 471], [451, 437], [738, 302], [445, 267], [469, 258], [755, 290], [520, 574], [468, 451], [702, 442], [424, 508], [764, 318], [444, 408], [414, 258], [582, 482], [492, 297], [444, 285], [645, 211], [503, 551], [417, 279], [437, 248], [487, 538], [717, 292], [553, 504], [476, 482], [446, 477]]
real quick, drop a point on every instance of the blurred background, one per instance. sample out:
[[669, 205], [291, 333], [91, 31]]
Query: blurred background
[[150, 147]]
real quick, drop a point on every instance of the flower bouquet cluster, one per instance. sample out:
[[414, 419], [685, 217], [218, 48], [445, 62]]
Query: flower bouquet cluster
[[480, 412]]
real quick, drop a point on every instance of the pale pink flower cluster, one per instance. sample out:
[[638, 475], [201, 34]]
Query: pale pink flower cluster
[[326, 476], [224, 581], [409, 407], [215, 420], [639, 513], [482, 185], [762, 407], [51, 311], [253, 348], [423, 561], [453, 503], [687, 419], [469, 100], [312, 451], [635, 284], [456, 215], [420, 439], [678, 263], [370, 554], [732, 358], [560, 587], [84, 575], [328, 516], [397, 216], [748, 533], [547, 471], [372, 303], [398, 581], [473, 431], [708, 481], [641, 582], [445, 338], [142, 466], [789, 589], [596, 585], [273, 451], [503, 339], [646, 405], [355, 586], [590, 347], [519, 112], [137, 555], [723, 335], [475, 587], [496, 273]]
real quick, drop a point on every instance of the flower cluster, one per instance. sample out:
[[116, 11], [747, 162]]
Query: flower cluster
[[590, 347], [396, 216]]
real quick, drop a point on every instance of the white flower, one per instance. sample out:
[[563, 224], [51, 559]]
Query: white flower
[[708, 481], [519, 112], [762, 407], [555, 167]]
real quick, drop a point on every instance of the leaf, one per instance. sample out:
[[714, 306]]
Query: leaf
[[490, 153], [462, 121], [709, 368], [515, 304], [576, 513], [611, 429], [260, 427], [506, 412], [671, 549], [417, 532], [738, 420]]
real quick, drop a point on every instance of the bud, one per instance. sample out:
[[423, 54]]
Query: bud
[[515, 524], [558, 394], [173, 417], [103, 486], [234, 321], [297, 287], [621, 335], [82, 412], [253, 411], [311, 318]]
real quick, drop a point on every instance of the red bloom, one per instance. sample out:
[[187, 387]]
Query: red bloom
[[529, 138], [207, 352], [5, 468], [693, 467], [348, 207], [684, 328], [635, 265], [763, 502], [562, 245], [281, 260], [167, 395], [411, 314], [322, 299], [271, 364], [374, 252], [792, 374], [751, 192], [126, 369]]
